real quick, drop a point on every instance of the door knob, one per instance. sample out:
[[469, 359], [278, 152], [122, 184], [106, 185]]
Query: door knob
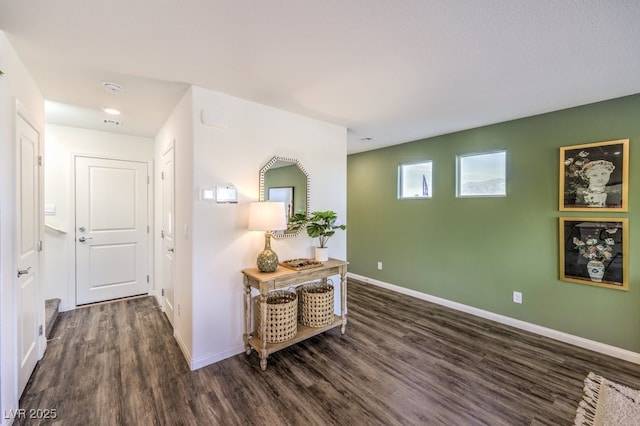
[[23, 271], [83, 239]]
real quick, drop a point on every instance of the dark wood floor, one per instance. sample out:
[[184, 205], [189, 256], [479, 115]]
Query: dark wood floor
[[403, 361]]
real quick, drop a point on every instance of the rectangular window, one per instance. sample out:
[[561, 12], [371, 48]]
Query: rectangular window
[[482, 175], [414, 180]]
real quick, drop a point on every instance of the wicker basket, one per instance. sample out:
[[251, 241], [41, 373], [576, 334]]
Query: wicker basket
[[282, 313], [315, 304]]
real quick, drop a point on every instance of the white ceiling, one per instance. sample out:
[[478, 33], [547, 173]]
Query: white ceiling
[[392, 70]]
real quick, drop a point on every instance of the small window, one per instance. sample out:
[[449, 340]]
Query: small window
[[482, 175], [414, 180]]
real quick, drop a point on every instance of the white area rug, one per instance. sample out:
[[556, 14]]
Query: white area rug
[[608, 403]]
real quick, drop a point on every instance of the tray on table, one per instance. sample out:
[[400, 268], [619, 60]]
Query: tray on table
[[300, 264]]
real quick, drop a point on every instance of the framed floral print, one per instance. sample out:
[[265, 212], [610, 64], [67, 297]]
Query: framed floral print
[[595, 176], [594, 251]]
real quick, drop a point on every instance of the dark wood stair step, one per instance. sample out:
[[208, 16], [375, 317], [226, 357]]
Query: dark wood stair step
[[51, 311]]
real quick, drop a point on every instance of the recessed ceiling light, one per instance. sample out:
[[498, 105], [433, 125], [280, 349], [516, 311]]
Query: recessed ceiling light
[[112, 122], [112, 87], [366, 139], [111, 111]]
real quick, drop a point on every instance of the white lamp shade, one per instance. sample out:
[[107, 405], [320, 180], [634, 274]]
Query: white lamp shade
[[267, 216]]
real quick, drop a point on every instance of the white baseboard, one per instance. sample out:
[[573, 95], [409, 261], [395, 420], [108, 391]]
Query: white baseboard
[[208, 359], [158, 298], [183, 347], [543, 331], [213, 358]]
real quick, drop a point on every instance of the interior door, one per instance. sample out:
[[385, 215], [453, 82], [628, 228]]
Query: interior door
[[27, 247], [111, 229], [168, 236]]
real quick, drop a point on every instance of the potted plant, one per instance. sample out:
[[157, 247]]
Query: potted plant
[[321, 225]]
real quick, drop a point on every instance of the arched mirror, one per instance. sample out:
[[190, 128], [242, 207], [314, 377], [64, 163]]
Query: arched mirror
[[284, 179]]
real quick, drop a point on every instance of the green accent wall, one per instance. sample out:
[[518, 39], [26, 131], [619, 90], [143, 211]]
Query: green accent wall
[[477, 251]]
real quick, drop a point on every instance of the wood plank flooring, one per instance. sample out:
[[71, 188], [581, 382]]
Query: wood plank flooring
[[403, 361]]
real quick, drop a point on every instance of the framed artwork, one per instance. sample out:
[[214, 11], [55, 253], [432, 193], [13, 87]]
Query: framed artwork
[[595, 176], [482, 174], [415, 180], [594, 251]]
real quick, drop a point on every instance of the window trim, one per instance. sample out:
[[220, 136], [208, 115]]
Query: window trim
[[401, 181], [459, 182]]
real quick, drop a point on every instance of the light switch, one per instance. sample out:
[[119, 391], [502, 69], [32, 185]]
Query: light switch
[[207, 194], [49, 209]]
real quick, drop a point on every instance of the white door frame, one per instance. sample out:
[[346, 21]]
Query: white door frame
[[41, 341], [167, 295], [71, 235]]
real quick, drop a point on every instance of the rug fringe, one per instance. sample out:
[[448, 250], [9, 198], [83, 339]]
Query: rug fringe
[[586, 412]]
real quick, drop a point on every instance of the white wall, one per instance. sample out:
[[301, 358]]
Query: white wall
[[15, 84], [61, 144], [222, 245], [212, 242]]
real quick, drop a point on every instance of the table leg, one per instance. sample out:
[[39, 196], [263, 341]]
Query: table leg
[[262, 302], [343, 301], [247, 316]]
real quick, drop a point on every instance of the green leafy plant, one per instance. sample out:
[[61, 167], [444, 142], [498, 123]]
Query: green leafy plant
[[321, 225]]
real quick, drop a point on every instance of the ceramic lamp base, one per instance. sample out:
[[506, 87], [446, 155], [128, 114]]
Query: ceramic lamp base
[[268, 259]]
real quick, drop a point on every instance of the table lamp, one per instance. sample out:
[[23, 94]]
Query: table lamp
[[267, 216]]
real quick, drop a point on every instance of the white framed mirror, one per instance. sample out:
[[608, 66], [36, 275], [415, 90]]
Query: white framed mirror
[[284, 179]]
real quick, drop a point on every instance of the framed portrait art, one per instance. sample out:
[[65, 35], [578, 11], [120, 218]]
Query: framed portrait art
[[594, 251], [595, 176]]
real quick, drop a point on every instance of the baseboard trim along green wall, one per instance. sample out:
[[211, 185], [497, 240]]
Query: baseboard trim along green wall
[[522, 325], [479, 251]]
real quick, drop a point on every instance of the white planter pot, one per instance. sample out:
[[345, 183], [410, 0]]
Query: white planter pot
[[322, 254]]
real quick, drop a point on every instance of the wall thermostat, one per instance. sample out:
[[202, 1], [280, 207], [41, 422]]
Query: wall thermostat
[[226, 194]]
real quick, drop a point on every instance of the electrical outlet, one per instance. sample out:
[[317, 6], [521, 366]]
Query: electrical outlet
[[517, 297], [379, 266], [178, 309]]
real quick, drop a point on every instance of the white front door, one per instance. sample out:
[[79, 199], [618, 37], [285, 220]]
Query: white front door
[[111, 229], [168, 236], [27, 247]]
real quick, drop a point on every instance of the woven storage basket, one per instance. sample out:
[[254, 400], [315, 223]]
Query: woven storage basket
[[315, 304], [282, 314]]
